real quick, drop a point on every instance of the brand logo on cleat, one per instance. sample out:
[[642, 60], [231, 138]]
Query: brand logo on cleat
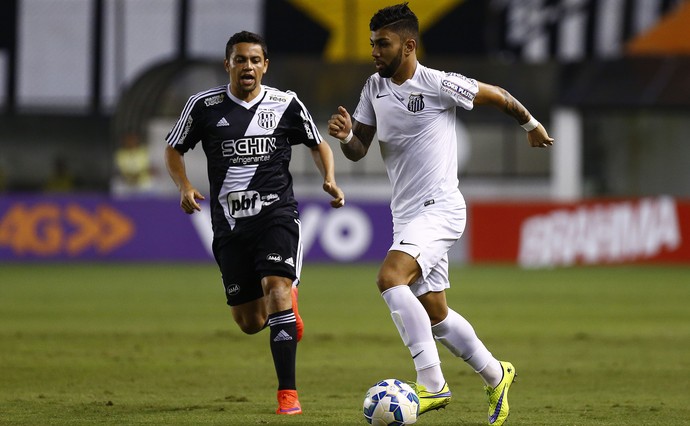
[[497, 411]]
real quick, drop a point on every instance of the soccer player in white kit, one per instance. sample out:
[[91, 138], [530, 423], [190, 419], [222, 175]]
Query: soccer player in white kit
[[412, 109]]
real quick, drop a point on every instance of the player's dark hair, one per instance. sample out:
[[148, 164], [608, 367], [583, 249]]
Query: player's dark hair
[[245, 37], [398, 18]]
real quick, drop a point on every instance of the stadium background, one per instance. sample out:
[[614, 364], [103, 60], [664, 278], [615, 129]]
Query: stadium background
[[89, 88], [110, 306]]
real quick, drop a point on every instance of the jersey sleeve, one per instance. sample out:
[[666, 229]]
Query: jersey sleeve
[[184, 135], [364, 113], [458, 90], [303, 129]]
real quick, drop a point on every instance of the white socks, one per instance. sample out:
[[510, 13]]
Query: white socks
[[454, 332], [414, 326], [457, 334]]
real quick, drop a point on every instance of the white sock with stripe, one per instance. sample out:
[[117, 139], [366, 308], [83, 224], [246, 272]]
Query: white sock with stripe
[[414, 326], [458, 335]]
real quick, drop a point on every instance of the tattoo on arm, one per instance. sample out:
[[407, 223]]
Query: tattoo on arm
[[513, 107], [359, 145]]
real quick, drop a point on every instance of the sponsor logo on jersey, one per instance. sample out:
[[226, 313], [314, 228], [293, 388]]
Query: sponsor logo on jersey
[[472, 81], [454, 89], [244, 204], [307, 125], [249, 147], [267, 120], [214, 100], [269, 199], [277, 98], [233, 289], [187, 126], [222, 123], [415, 102], [307, 130], [274, 257]]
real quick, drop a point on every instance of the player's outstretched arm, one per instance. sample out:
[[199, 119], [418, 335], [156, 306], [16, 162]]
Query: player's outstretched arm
[[323, 158], [501, 99], [174, 162], [355, 138]]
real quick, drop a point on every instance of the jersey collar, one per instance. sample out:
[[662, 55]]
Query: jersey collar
[[246, 105]]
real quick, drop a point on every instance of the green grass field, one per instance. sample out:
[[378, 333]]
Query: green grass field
[[156, 345]]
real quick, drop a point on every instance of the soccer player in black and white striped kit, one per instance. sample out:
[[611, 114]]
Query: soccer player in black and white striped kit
[[247, 131]]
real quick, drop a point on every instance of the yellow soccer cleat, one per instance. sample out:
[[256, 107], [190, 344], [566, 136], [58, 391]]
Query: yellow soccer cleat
[[498, 396], [431, 400]]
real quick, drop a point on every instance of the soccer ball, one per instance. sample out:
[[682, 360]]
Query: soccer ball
[[391, 402]]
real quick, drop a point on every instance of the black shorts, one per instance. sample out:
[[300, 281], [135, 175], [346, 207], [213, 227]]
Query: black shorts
[[252, 254]]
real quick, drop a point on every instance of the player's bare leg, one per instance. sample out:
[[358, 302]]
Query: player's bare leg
[[250, 316]]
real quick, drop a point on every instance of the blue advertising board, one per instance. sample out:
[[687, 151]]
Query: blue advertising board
[[101, 228]]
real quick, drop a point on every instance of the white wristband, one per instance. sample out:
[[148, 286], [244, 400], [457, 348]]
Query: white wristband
[[347, 139], [530, 125]]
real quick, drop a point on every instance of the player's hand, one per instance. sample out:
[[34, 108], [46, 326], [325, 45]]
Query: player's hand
[[188, 199], [335, 192], [340, 124], [538, 138]]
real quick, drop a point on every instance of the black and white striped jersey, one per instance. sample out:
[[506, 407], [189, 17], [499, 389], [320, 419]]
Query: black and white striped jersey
[[248, 146]]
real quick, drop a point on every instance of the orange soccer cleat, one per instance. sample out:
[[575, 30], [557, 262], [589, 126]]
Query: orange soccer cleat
[[288, 403]]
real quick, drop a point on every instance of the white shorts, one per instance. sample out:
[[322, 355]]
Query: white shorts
[[427, 238]]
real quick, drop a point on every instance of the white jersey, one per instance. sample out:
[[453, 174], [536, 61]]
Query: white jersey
[[415, 124]]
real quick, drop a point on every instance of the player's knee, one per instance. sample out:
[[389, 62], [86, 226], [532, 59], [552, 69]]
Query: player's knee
[[391, 276], [386, 281], [248, 327], [397, 269], [250, 324]]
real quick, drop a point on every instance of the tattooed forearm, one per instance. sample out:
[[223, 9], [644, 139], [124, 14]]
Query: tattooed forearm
[[513, 107]]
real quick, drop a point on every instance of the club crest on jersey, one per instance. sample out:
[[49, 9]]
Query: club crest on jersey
[[266, 120], [416, 102]]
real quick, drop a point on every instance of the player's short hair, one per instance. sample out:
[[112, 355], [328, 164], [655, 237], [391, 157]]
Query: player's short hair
[[245, 37], [398, 18]]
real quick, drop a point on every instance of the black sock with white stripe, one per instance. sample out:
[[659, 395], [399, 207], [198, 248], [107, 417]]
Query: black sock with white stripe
[[284, 347]]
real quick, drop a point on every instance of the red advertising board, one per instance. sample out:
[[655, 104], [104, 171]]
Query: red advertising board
[[542, 234]]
